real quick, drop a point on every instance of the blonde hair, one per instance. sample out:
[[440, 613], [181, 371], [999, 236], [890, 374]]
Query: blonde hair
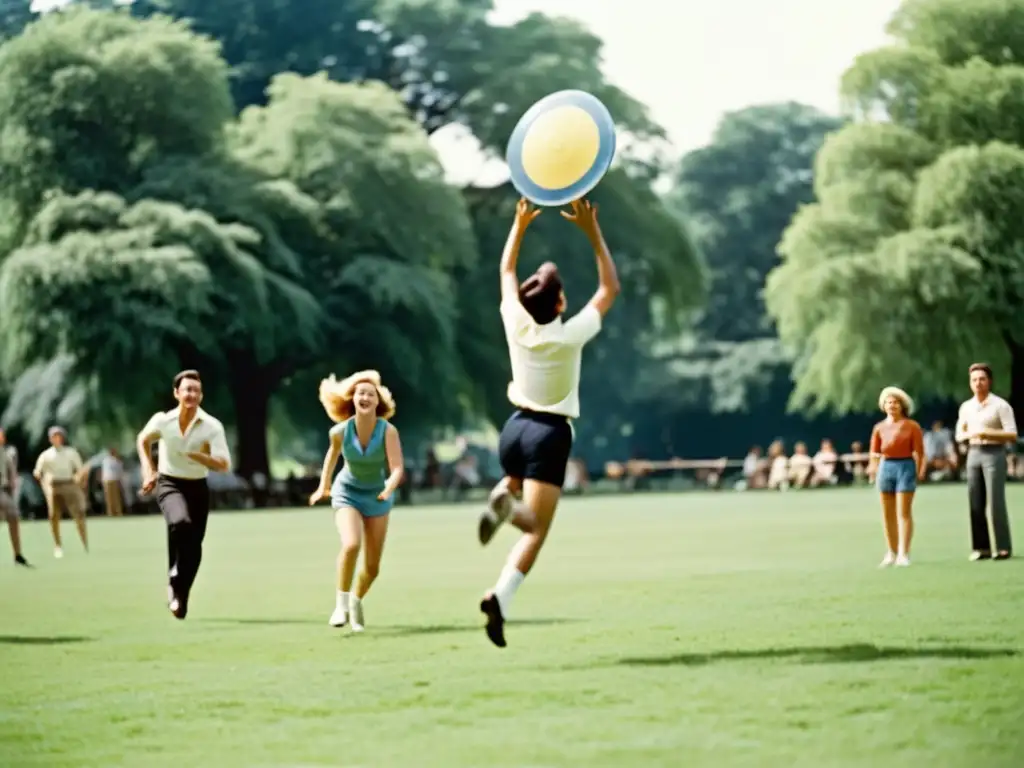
[[336, 396], [899, 394]]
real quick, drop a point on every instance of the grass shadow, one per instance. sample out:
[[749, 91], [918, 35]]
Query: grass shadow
[[42, 640], [838, 654], [259, 622], [410, 630]]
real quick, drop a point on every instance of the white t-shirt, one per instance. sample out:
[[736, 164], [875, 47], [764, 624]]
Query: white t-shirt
[[546, 358], [171, 458]]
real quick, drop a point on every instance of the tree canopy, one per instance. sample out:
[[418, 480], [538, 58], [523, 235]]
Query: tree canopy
[[252, 191], [910, 264]]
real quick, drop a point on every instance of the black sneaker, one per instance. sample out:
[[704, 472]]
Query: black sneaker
[[19, 560], [495, 621]]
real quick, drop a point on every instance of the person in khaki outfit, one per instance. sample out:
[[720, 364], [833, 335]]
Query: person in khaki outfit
[[8, 494], [60, 472]]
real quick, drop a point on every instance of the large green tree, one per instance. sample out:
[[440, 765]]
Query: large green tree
[[910, 265], [457, 70], [737, 195], [313, 233]]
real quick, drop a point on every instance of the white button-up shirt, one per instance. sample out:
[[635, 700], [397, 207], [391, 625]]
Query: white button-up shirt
[[204, 430], [546, 358], [58, 465], [991, 413]]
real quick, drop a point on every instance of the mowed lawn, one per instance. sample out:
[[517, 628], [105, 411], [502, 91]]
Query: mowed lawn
[[729, 629]]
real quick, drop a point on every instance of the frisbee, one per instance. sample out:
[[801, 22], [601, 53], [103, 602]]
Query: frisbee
[[561, 148]]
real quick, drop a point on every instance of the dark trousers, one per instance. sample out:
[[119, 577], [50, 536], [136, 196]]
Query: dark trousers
[[185, 505], [986, 486]]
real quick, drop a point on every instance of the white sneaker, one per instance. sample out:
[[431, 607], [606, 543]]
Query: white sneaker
[[889, 559], [902, 561], [58, 552], [339, 618], [499, 507], [356, 615]]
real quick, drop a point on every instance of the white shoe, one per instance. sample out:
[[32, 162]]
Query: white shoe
[[356, 615], [58, 552], [902, 561], [889, 559], [499, 507], [339, 618]]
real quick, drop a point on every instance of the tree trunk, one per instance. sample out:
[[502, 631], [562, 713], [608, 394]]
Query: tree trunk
[[251, 387], [1016, 397]]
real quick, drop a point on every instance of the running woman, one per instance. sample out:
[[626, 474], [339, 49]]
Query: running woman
[[537, 439], [362, 494]]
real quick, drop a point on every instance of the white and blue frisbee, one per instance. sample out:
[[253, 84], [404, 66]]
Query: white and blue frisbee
[[561, 148]]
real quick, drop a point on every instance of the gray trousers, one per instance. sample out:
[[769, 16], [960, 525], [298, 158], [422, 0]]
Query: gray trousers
[[986, 486]]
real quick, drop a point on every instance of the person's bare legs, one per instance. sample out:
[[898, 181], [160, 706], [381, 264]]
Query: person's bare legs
[[904, 507], [533, 516], [375, 531], [891, 526], [350, 530], [504, 506]]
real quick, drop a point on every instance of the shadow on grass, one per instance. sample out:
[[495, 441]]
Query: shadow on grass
[[393, 630], [260, 622], [838, 654], [42, 640], [447, 629]]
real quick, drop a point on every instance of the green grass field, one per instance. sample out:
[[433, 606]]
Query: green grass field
[[657, 630]]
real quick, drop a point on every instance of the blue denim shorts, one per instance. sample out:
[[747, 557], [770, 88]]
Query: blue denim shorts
[[897, 476]]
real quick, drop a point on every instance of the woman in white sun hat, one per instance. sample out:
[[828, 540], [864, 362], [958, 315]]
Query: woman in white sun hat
[[897, 452]]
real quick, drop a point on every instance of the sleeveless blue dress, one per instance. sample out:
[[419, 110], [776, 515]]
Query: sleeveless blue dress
[[365, 472]]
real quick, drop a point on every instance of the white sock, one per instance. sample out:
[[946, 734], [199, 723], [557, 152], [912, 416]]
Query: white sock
[[342, 601], [508, 582]]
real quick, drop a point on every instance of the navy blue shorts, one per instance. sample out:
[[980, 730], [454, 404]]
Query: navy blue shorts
[[897, 476], [536, 446]]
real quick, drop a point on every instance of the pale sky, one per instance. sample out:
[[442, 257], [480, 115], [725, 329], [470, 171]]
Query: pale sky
[[690, 62]]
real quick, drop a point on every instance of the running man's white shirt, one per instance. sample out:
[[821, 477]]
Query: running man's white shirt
[[171, 458], [546, 358]]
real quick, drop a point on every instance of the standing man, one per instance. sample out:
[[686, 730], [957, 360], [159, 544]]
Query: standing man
[[8, 495], [192, 444], [59, 471], [111, 478], [988, 426]]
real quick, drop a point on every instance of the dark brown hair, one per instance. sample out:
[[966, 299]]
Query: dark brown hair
[[541, 293], [984, 367], [188, 374]]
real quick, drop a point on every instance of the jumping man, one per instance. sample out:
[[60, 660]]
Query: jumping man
[[537, 439], [192, 444]]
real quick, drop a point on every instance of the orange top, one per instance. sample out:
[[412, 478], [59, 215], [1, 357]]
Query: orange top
[[897, 439]]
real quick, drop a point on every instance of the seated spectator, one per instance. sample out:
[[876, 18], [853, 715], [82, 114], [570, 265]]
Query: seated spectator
[[755, 470], [801, 465], [778, 468], [940, 454], [857, 464], [825, 461]]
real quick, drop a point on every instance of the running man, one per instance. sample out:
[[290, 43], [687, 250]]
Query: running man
[[537, 439], [192, 444]]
